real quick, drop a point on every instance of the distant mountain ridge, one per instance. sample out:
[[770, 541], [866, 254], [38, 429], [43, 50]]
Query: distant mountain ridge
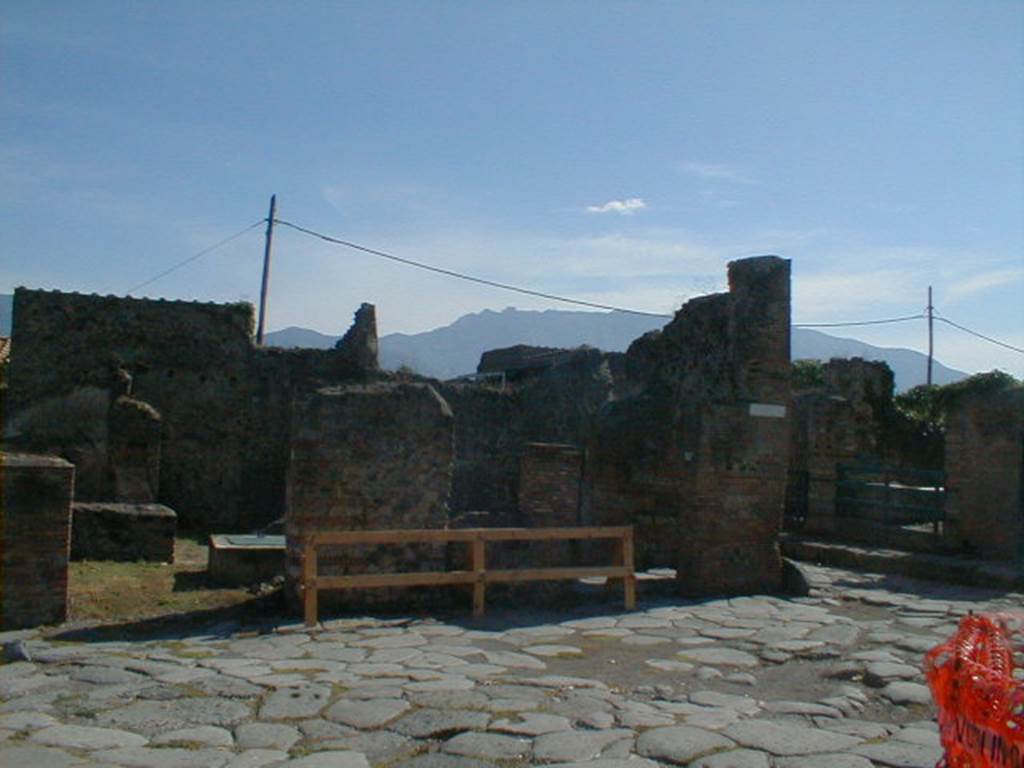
[[455, 349]]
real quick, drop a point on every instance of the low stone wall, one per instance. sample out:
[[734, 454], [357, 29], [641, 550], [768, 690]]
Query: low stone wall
[[35, 528], [124, 532], [376, 456]]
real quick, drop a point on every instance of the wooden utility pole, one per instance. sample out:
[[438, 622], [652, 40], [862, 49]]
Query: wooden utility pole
[[266, 275], [930, 336]]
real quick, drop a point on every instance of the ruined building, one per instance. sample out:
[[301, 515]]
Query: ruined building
[[685, 435]]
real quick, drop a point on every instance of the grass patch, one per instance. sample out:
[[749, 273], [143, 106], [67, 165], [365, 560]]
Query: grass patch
[[113, 591]]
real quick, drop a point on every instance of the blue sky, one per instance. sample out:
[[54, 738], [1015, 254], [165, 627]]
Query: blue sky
[[619, 152]]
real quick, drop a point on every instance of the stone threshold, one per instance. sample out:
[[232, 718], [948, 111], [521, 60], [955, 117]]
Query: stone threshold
[[952, 569]]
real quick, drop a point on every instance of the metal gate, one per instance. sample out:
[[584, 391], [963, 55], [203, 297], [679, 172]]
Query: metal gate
[[894, 496]]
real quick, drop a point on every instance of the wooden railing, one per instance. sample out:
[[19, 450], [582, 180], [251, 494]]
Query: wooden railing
[[478, 575]]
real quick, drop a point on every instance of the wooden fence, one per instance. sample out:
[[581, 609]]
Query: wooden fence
[[478, 576]]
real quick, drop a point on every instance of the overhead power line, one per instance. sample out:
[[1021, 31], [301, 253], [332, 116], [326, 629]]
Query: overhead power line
[[462, 276], [979, 335], [860, 322], [199, 255]]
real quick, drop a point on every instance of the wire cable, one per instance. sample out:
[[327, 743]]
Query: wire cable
[[860, 322], [190, 259], [461, 276], [979, 335]]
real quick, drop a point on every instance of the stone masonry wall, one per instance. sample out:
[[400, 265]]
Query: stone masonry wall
[[985, 475], [35, 530], [368, 457], [702, 437], [225, 404]]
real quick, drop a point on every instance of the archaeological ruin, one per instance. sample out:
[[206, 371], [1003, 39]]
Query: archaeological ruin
[[167, 414]]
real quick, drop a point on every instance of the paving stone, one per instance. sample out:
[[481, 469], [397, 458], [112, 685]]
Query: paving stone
[[437, 723], [515, 660], [203, 735], [784, 739], [737, 758], [669, 665], [228, 687], [907, 693], [726, 657], [442, 760], [149, 717], [331, 759], [163, 757], [645, 640], [106, 676], [37, 757], [901, 754], [257, 758], [378, 746], [859, 728], [880, 673], [273, 736], [806, 708], [26, 721], [834, 760], [680, 744], [451, 699], [552, 650], [568, 746], [294, 703], [371, 713], [533, 724], [488, 745], [86, 737], [742, 704], [632, 762]]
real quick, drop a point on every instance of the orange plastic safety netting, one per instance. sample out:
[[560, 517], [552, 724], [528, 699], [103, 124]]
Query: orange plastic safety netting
[[977, 686]]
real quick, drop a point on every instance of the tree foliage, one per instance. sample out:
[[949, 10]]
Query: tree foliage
[[808, 374]]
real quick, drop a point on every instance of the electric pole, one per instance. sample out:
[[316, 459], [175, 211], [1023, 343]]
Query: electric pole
[[930, 335], [266, 277]]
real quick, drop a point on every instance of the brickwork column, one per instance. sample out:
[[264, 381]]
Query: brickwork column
[[35, 530]]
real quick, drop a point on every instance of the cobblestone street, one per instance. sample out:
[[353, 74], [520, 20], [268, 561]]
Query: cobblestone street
[[832, 680]]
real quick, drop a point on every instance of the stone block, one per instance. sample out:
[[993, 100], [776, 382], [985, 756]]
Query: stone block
[[124, 532], [245, 560]]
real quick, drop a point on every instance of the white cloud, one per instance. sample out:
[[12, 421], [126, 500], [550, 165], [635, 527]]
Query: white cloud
[[719, 172], [983, 282], [626, 207]]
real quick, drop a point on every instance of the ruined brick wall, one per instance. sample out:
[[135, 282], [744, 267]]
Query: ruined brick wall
[[225, 404], [702, 440], [549, 484], [35, 531], [984, 466], [189, 360], [367, 457]]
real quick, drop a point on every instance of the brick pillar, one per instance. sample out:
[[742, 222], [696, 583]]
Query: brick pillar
[[35, 529]]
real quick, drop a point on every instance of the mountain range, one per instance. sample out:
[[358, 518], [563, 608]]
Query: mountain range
[[455, 349]]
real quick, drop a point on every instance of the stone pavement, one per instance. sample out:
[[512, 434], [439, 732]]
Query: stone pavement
[[831, 680]]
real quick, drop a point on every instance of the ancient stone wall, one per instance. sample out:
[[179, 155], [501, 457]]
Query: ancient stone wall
[[701, 439], [225, 404], [985, 475], [367, 457], [35, 530]]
